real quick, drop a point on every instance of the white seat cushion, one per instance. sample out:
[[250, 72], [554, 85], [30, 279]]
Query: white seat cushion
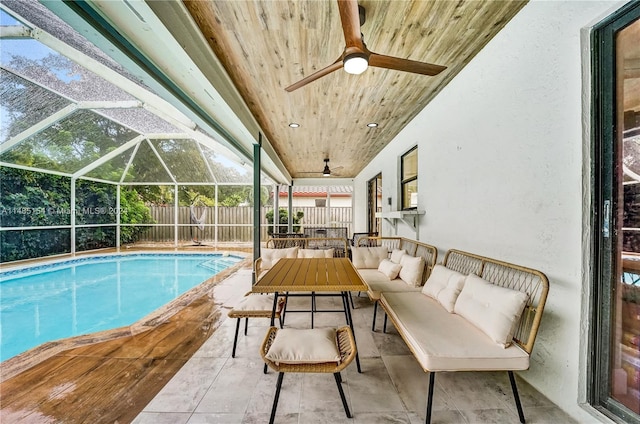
[[444, 285], [304, 346], [378, 282], [255, 302], [368, 257], [493, 309], [442, 341]]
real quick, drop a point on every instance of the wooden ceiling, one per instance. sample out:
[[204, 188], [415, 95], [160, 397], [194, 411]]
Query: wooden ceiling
[[266, 46]]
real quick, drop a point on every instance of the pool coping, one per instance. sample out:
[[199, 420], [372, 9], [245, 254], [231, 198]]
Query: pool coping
[[23, 361]]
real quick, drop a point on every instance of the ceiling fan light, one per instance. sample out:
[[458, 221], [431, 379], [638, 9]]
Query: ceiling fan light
[[355, 63], [326, 172]]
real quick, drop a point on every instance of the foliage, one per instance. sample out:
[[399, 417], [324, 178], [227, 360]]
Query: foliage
[[132, 211], [283, 218]]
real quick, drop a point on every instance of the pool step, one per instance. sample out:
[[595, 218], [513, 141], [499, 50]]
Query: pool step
[[219, 264]]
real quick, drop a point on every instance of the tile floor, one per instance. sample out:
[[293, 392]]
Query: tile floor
[[214, 388]]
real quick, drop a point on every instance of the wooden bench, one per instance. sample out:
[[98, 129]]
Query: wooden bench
[[443, 340]]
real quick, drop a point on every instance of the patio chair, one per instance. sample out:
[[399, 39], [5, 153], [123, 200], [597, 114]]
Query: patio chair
[[319, 350], [255, 305]]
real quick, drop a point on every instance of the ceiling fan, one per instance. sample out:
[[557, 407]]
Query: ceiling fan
[[326, 172], [356, 57]]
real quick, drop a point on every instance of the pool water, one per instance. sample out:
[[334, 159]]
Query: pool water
[[87, 295]]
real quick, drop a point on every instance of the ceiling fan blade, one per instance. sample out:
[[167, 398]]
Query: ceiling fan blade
[[350, 18], [406, 65], [319, 74]]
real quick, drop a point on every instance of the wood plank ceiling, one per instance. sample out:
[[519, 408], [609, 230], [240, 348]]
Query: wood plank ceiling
[[266, 46]]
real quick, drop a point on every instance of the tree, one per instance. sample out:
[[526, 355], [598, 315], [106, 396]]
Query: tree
[[283, 218]]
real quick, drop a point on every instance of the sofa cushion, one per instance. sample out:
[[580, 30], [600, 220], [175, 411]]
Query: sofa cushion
[[390, 269], [368, 257], [315, 253], [271, 256], [412, 269], [378, 283], [493, 309], [447, 342], [397, 254], [444, 285], [307, 346]]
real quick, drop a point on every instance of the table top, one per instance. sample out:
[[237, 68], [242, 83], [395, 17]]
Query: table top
[[310, 274]]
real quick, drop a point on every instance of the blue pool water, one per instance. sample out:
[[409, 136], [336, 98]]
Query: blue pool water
[[81, 296]]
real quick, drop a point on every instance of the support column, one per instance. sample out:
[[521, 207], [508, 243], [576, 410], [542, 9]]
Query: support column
[[72, 206], [118, 212], [175, 216], [290, 199], [257, 148]]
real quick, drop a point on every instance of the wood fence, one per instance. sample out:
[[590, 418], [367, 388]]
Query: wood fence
[[235, 224]]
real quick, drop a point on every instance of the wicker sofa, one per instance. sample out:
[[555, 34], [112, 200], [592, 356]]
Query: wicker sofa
[[378, 258], [473, 314]]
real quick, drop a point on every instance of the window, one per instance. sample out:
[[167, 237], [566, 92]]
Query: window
[[409, 179], [615, 367]]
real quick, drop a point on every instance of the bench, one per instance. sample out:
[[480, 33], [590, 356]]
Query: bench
[[367, 258], [476, 329]]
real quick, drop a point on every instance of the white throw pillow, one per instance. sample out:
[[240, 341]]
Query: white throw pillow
[[390, 269], [397, 254], [315, 253], [412, 269], [493, 309], [444, 285], [271, 256], [309, 346], [368, 257]]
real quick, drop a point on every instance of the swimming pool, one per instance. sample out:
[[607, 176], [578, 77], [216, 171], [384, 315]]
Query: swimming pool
[[87, 295]]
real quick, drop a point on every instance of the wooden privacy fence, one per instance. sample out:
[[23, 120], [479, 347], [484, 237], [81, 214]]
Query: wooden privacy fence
[[235, 224]]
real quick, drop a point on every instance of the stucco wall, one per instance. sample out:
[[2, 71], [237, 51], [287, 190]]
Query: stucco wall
[[500, 171]]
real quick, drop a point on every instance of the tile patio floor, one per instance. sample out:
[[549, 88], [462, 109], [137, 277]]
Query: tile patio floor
[[214, 388]]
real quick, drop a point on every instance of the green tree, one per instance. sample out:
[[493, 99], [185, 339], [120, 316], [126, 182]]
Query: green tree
[[283, 218]]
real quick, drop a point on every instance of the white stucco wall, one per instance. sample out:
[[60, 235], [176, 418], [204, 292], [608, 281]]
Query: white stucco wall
[[500, 172]]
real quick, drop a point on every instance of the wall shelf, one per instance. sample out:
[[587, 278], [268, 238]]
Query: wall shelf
[[409, 217]]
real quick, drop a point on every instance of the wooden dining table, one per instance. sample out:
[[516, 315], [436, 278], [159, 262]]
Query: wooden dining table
[[291, 276]]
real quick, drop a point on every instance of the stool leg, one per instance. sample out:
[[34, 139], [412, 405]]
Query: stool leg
[[375, 311], [384, 328], [246, 324], [338, 378], [313, 306], [280, 318], [235, 339], [275, 399]]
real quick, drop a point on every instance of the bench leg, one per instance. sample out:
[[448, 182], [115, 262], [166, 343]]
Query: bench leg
[[432, 378], [235, 339], [516, 396], [275, 399], [338, 378], [375, 311]]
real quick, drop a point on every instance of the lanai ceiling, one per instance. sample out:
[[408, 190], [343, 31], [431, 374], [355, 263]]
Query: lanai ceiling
[[266, 46]]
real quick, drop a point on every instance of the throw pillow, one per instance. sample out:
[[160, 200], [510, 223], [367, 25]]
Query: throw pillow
[[412, 269], [493, 309], [397, 254], [390, 269], [444, 285]]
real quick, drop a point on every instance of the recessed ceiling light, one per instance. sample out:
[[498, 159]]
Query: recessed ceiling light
[[372, 124], [294, 125]]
